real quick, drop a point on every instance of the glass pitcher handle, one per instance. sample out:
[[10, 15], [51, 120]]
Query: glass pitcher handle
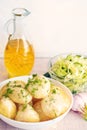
[[7, 27]]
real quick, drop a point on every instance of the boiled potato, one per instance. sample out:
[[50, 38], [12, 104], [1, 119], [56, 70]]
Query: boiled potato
[[56, 103], [11, 84], [7, 108], [20, 95], [38, 86], [26, 113], [37, 107]]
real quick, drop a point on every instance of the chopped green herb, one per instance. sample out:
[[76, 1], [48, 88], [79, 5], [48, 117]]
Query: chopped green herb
[[55, 113], [8, 83], [27, 85], [37, 81], [34, 90], [23, 94], [21, 91], [34, 80], [45, 100], [34, 75], [9, 91], [17, 85], [54, 91], [45, 81], [24, 107]]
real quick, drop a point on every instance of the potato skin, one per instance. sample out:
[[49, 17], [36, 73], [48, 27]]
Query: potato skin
[[56, 103], [27, 115], [20, 95], [37, 107], [39, 87], [7, 108]]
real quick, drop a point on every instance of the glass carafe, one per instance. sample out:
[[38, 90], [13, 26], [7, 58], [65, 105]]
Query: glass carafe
[[19, 53]]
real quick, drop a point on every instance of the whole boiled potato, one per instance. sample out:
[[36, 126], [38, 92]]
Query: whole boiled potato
[[7, 108], [26, 113], [17, 83], [38, 86], [38, 109], [56, 103], [20, 95]]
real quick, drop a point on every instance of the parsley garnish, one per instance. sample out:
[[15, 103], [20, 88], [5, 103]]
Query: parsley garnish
[[29, 81], [54, 91], [24, 107], [34, 75], [8, 83], [32, 81], [34, 90], [9, 91]]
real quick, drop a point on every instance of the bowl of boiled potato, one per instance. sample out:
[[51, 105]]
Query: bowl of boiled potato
[[33, 102]]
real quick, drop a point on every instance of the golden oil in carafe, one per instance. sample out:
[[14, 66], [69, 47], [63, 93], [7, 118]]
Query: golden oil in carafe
[[18, 57]]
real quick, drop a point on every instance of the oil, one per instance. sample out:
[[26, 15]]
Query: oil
[[18, 57]]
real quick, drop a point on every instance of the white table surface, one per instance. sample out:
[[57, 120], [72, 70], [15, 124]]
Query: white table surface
[[72, 121]]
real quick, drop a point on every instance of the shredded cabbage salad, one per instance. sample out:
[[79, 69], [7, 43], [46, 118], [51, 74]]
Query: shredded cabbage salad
[[71, 71]]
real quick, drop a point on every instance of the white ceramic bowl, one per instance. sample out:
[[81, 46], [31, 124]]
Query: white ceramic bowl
[[38, 125]]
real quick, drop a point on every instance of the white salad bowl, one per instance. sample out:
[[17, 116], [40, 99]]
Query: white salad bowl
[[37, 125]]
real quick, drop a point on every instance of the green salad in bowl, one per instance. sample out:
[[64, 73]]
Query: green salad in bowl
[[71, 70]]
